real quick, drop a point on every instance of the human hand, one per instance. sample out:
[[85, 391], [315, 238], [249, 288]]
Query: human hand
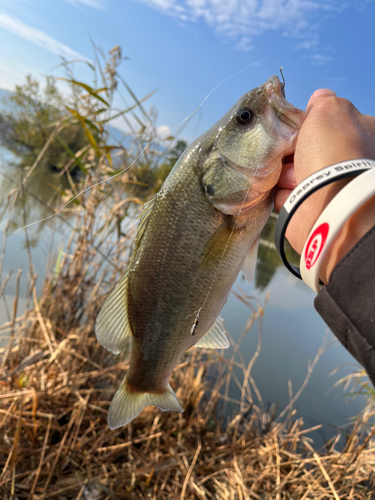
[[334, 131]]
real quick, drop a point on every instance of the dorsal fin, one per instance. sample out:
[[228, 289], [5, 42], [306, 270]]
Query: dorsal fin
[[143, 221], [112, 326]]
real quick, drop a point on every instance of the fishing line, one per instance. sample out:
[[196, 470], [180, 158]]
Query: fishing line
[[237, 217], [66, 221], [153, 140]]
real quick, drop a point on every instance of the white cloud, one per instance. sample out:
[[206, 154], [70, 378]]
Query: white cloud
[[94, 4], [38, 37], [310, 43], [242, 20], [244, 44], [320, 59], [163, 131]]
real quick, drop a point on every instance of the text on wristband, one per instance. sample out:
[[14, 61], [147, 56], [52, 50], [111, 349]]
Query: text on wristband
[[323, 174], [315, 244]]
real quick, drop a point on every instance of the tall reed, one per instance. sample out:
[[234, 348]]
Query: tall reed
[[56, 384]]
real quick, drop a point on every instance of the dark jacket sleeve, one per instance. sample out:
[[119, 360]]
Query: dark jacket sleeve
[[347, 303]]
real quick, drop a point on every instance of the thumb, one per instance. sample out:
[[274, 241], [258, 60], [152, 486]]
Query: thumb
[[319, 95]]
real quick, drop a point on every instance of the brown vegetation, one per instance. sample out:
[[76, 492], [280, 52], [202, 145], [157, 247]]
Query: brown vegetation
[[57, 383]]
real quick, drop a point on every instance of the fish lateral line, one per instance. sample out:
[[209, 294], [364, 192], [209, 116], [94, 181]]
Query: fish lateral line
[[211, 255]]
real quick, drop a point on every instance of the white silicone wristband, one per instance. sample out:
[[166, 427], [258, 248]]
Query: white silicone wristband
[[307, 187], [330, 222]]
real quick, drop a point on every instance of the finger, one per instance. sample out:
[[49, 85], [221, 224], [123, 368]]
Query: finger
[[318, 95], [288, 177], [281, 198]]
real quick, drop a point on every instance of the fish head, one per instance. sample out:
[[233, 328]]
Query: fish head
[[247, 146]]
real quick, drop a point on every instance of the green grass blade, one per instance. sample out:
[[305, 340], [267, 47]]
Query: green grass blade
[[94, 93], [77, 160]]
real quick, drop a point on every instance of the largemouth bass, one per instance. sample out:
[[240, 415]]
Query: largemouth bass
[[193, 238]]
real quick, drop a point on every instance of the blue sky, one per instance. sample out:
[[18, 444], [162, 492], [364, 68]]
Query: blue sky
[[184, 48]]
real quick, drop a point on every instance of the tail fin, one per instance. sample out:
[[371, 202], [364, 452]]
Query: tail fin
[[127, 405]]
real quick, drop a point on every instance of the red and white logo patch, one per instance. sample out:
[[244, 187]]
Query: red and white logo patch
[[315, 244]]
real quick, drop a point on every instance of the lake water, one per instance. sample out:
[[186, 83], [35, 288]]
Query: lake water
[[292, 330]]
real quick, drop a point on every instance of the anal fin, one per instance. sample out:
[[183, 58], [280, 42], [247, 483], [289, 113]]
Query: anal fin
[[215, 338]]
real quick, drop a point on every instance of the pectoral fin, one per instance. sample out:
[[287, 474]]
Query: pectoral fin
[[126, 405], [248, 268], [218, 244], [215, 338]]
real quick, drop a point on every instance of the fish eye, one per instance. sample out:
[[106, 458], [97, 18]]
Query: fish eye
[[244, 116]]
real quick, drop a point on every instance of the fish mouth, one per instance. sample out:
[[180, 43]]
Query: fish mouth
[[273, 86], [285, 112]]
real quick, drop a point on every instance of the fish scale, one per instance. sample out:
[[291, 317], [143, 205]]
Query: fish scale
[[193, 239]]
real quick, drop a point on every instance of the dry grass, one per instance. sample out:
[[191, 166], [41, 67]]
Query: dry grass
[[57, 383]]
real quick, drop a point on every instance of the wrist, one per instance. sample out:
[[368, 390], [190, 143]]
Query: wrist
[[352, 231], [310, 210], [346, 213]]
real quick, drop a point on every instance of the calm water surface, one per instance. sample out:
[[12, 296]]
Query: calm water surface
[[292, 330]]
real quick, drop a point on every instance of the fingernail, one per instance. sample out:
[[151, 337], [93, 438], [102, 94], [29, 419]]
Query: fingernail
[[291, 176], [320, 92]]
